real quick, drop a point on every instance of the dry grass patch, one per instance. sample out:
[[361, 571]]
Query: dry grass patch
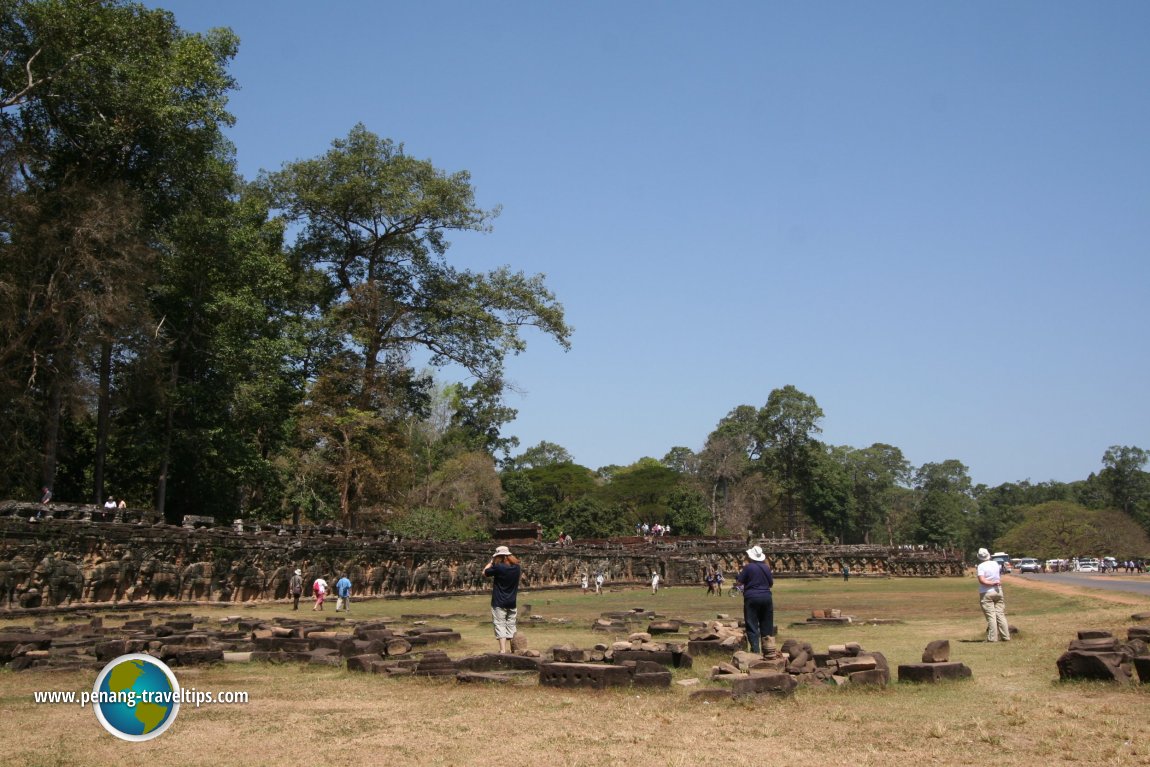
[[1013, 709]]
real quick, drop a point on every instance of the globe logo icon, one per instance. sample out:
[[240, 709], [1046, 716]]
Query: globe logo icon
[[136, 697]]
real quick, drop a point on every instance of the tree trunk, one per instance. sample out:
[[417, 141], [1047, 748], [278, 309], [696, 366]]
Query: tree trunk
[[102, 406], [166, 452], [52, 424]]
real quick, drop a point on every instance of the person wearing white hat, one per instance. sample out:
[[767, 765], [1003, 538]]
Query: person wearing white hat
[[756, 580], [504, 571], [990, 598], [295, 588]]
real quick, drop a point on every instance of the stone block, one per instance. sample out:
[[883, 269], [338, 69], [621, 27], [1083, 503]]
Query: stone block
[[799, 662], [877, 676], [851, 665], [1142, 666], [933, 672], [1094, 634], [362, 663], [435, 663], [664, 657], [654, 679], [374, 634], [937, 651], [1096, 644], [182, 655], [398, 647], [594, 675], [106, 651], [664, 627], [12, 640], [472, 677], [569, 655], [497, 662], [1082, 664]]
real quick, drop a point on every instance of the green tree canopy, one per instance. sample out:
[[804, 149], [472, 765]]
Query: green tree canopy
[[1063, 529]]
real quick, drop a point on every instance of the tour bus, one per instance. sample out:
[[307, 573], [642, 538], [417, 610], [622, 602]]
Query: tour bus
[[1003, 560]]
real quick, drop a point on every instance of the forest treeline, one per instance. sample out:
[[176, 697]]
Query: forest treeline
[[301, 346]]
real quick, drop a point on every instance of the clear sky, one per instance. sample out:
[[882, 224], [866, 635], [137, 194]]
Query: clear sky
[[934, 218]]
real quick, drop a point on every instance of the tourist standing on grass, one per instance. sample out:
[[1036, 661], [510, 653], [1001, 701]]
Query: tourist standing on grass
[[319, 591], [990, 598], [585, 582], [343, 594], [654, 583], [719, 581], [504, 571], [756, 582], [710, 581], [295, 588], [598, 583]]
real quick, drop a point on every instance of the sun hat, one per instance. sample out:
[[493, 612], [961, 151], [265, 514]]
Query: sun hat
[[299, 572], [983, 555], [756, 553], [502, 551]]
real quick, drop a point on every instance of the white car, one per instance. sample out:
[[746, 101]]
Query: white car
[[1028, 565], [1087, 566]]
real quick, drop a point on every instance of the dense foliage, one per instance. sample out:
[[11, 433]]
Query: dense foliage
[[175, 335]]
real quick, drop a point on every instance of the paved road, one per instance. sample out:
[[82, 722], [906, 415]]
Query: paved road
[[1137, 584]]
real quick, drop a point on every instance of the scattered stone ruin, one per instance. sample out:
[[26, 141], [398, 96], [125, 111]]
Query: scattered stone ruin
[[1100, 655], [61, 555]]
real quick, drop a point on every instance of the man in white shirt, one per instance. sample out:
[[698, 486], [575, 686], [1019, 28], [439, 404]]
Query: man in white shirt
[[990, 598]]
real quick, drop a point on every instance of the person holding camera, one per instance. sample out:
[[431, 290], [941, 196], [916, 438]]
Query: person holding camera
[[504, 571]]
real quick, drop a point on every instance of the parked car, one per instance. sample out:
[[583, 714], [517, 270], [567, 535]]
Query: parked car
[[1056, 565], [1087, 565], [1028, 565]]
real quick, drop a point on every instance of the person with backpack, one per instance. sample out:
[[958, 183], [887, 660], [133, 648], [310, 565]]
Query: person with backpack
[[756, 580], [295, 588], [319, 591]]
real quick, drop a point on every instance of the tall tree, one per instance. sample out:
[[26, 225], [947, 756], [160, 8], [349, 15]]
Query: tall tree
[[785, 429], [376, 222], [544, 454], [108, 112], [1127, 483], [945, 503]]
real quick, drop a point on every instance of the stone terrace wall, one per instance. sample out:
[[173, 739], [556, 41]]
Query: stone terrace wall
[[71, 559]]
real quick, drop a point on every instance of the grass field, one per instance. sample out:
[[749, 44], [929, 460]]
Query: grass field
[[1014, 710]]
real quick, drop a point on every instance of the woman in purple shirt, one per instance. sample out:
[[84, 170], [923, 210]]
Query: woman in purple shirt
[[755, 580]]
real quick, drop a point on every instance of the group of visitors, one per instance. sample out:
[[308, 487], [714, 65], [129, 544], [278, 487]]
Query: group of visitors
[[656, 530], [585, 582], [714, 581], [319, 591], [755, 581]]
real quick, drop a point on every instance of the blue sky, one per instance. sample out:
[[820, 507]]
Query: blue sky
[[931, 217]]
